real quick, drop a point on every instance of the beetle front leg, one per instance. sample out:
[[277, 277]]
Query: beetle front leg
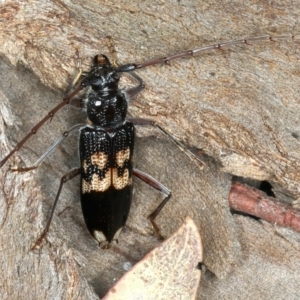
[[137, 89], [48, 151]]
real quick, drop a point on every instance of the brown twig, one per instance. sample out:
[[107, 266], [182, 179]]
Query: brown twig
[[254, 202]]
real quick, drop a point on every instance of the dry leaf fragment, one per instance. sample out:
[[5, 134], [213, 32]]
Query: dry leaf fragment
[[167, 272]]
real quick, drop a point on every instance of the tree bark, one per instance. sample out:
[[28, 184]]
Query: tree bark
[[240, 106]]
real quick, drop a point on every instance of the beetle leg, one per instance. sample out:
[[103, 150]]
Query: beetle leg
[[71, 174], [137, 89], [49, 150], [181, 146], [160, 187]]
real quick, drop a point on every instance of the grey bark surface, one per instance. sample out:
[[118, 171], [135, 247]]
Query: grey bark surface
[[240, 106]]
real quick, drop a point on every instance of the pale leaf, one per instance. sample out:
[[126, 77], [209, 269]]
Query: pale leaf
[[167, 272]]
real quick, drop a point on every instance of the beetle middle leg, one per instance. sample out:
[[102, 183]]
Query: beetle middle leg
[[132, 92], [181, 146], [48, 151]]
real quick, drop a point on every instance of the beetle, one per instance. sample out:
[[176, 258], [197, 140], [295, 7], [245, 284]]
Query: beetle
[[106, 143]]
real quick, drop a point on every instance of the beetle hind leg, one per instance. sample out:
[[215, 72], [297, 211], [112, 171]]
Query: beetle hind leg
[[160, 187], [71, 174]]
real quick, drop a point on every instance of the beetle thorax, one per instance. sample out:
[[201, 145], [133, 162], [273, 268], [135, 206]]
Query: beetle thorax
[[106, 109]]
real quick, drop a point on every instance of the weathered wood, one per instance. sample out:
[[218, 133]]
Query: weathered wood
[[241, 106]]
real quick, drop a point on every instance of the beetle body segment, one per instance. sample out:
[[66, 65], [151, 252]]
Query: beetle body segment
[[106, 146], [106, 179]]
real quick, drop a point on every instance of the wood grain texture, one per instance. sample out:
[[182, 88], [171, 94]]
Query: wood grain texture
[[240, 106]]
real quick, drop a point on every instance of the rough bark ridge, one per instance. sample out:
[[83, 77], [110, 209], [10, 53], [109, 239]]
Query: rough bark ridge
[[240, 106]]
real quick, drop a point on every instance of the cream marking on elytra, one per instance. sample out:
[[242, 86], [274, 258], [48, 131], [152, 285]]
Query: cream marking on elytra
[[99, 236], [120, 182], [85, 166], [116, 236], [96, 184], [122, 156], [111, 176], [99, 159]]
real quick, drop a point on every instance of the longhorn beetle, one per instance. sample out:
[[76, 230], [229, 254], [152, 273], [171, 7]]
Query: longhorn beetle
[[107, 142]]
